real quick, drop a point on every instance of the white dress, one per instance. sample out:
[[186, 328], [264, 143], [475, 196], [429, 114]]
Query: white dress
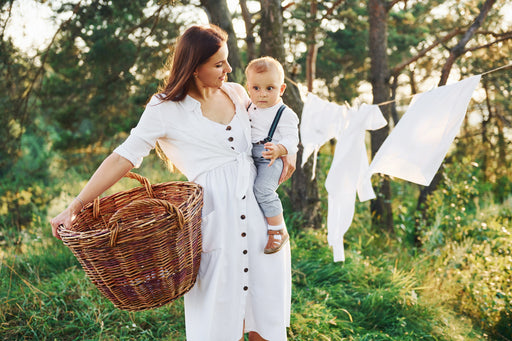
[[237, 282]]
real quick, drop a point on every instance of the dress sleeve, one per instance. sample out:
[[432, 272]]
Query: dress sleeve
[[289, 131], [143, 137]]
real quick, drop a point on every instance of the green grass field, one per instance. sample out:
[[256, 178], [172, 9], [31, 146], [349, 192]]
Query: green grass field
[[455, 286]]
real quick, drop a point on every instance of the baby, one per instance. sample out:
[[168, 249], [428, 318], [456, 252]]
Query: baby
[[265, 84]]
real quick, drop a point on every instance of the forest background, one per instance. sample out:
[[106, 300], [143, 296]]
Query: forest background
[[429, 263]]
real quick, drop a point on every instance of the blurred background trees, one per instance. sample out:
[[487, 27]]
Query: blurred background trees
[[79, 95], [426, 261]]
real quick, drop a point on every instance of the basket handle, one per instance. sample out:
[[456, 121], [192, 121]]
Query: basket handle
[[143, 181], [113, 223]]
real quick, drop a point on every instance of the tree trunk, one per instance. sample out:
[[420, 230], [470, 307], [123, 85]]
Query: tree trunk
[[312, 50], [249, 30], [457, 51], [218, 14], [382, 215], [485, 123], [502, 163], [303, 192]]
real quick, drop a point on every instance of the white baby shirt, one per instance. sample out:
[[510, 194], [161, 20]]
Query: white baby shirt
[[320, 122], [347, 173], [287, 132]]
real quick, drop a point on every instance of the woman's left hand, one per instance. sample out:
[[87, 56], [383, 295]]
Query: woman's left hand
[[289, 162]]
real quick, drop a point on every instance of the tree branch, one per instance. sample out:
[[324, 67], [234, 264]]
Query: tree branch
[[249, 30], [331, 10], [458, 49], [155, 15], [503, 38], [6, 21], [392, 3], [494, 34], [423, 52], [45, 55]]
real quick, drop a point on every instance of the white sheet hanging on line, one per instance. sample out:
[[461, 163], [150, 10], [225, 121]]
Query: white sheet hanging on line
[[417, 146], [320, 122], [347, 173]]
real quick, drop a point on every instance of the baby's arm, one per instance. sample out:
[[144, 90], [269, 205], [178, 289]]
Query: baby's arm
[[273, 151]]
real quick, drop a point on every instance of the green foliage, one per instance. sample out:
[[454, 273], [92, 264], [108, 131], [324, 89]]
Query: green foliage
[[102, 69], [451, 289], [16, 75], [474, 268], [452, 204], [360, 299], [26, 189]]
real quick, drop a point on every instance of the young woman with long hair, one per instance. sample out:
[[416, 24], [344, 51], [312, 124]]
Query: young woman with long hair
[[199, 121]]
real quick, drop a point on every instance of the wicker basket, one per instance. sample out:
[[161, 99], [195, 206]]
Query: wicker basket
[[141, 247]]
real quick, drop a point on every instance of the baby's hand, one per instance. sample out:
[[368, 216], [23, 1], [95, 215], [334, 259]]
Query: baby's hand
[[273, 151]]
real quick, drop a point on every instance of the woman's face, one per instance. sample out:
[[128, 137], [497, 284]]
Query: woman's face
[[212, 73]]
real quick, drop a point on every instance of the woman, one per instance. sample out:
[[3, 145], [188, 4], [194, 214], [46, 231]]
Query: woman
[[201, 124]]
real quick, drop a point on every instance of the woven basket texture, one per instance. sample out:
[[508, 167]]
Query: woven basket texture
[[141, 247]]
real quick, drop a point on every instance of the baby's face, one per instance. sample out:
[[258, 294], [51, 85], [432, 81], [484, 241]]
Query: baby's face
[[265, 88]]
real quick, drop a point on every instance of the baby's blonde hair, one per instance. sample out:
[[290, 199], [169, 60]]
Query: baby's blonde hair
[[265, 64]]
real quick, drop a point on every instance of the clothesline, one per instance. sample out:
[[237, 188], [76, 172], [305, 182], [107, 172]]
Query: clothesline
[[413, 151], [394, 100]]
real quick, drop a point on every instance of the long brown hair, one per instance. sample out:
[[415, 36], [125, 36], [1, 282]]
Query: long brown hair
[[195, 46]]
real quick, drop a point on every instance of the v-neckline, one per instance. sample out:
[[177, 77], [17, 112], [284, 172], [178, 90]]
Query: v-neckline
[[209, 119]]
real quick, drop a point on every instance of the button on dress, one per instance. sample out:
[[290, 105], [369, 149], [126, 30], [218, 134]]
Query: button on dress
[[237, 282]]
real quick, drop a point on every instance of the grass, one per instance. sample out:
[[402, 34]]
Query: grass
[[456, 286], [47, 296]]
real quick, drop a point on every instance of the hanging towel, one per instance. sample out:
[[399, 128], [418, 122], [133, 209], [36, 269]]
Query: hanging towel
[[347, 173], [320, 122], [417, 146]]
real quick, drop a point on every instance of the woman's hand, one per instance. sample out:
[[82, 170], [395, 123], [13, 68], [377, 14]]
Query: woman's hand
[[66, 217], [289, 162], [113, 168]]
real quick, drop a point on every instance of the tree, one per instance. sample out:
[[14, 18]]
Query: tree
[[303, 193], [379, 77], [218, 14], [455, 52], [102, 69], [249, 30]]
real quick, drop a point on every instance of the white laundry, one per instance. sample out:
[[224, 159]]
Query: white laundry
[[347, 173], [417, 146], [320, 122]]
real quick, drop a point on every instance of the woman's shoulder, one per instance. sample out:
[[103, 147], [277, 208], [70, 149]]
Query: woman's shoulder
[[157, 99], [237, 91], [158, 103]]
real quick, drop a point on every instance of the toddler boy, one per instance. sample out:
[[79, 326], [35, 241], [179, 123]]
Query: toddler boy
[[265, 84]]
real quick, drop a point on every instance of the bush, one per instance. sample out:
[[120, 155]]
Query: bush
[[26, 190]]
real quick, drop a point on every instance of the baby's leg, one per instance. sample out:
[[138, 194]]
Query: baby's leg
[[276, 220], [265, 187]]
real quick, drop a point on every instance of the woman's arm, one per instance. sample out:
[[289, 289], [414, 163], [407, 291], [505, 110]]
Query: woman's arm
[[111, 170], [289, 162]]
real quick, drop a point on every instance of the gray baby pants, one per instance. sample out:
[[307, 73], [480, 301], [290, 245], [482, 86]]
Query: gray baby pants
[[266, 182]]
